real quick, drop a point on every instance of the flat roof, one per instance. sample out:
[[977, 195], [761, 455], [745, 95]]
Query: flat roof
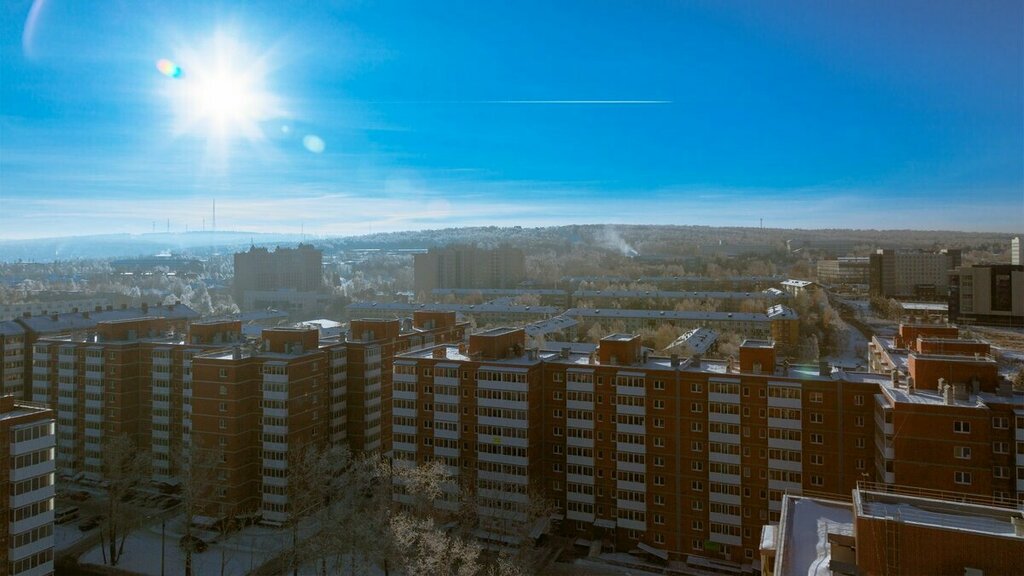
[[499, 331], [937, 513], [803, 532], [620, 337]]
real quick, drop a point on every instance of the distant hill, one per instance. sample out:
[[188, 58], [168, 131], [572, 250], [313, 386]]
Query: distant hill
[[625, 239]]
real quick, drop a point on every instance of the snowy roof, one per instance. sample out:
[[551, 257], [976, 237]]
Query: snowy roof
[[10, 328], [717, 295], [797, 283], [935, 512], [780, 312], [550, 325], [666, 314], [463, 308], [497, 291], [699, 340], [802, 537], [86, 320]]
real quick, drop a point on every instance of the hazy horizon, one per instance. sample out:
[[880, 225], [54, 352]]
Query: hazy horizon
[[350, 118]]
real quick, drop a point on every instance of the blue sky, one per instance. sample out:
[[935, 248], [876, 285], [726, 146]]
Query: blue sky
[[852, 114]]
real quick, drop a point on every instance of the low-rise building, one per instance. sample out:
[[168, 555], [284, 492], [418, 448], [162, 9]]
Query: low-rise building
[[988, 295]]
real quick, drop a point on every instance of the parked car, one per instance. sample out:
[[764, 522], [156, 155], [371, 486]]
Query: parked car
[[66, 515]]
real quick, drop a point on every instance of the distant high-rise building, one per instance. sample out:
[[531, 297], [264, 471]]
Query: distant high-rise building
[[1016, 252], [259, 269], [469, 267], [26, 488], [845, 271], [992, 295], [912, 274]]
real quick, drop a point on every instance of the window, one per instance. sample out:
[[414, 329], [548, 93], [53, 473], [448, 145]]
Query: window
[[222, 406], [816, 397], [858, 421], [659, 422], [659, 500], [1000, 447], [557, 430], [222, 373], [696, 446], [697, 525], [695, 388], [697, 505], [659, 384], [659, 480], [558, 376], [860, 442], [817, 480], [696, 427], [858, 400], [1000, 472], [659, 404], [817, 438], [557, 394], [961, 427], [962, 477], [817, 459], [1000, 422], [556, 413], [556, 448], [816, 418], [659, 461], [860, 463], [659, 442], [223, 390], [659, 518], [696, 465], [962, 452], [222, 424], [696, 407]]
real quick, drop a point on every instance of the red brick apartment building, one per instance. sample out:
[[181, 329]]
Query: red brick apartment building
[[677, 458], [175, 391], [26, 488]]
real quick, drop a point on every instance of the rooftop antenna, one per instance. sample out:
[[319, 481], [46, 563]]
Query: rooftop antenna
[[214, 214], [762, 223]]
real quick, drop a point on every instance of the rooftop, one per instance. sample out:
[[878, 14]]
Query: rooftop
[[802, 534], [944, 513]]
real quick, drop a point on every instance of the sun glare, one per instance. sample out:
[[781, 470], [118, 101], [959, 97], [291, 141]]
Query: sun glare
[[218, 91]]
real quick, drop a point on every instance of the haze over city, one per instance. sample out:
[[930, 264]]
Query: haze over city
[[349, 117]]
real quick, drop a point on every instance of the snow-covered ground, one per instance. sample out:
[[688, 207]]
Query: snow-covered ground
[[239, 552], [64, 535]]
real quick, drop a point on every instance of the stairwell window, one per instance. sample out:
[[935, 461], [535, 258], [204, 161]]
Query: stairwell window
[[962, 477]]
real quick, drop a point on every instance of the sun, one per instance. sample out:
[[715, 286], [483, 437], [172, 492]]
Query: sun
[[218, 91]]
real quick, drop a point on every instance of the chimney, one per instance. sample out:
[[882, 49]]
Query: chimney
[[1005, 388], [823, 368], [462, 348], [74, 310], [975, 386], [124, 306], [53, 316], [674, 360], [85, 315], [911, 389], [439, 352], [145, 308], [531, 354], [1018, 525], [564, 352], [98, 309], [644, 357], [894, 374], [236, 353], [26, 314], [947, 393], [960, 391]]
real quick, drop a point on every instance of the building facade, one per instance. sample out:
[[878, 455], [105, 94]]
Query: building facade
[[259, 269], [468, 267], [845, 271], [912, 274], [987, 294], [26, 488]]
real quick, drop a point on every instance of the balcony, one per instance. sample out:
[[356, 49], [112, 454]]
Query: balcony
[[631, 505], [790, 487], [629, 466], [785, 465], [454, 417], [574, 386], [27, 446], [724, 518], [404, 446], [579, 497], [633, 410], [723, 438], [579, 442], [634, 448], [784, 444], [26, 472], [724, 458], [498, 385], [631, 524], [503, 459], [726, 539], [31, 522], [508, 478], [579, 479], [631, 486], [30, 549], [727, 398], [630, 391], [446, 452], [631, 429], [454, 400], [724, 478], [490, 439], [33, 496], [793, 403], [578, 423], [587, 517], [492, 421], [404, 395], [578, 405], [723, 498], [789, 424], [723, 418]]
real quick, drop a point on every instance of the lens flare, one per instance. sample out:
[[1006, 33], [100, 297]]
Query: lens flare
[[168, 68], [313, 143]]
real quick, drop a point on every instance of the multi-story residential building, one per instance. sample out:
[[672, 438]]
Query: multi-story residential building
[[912, 274], [546, 296], [894, 530], [255, 403], [724, 301], [26, 488], [845, 271], [12, 359], [744, 283], [43, 304], [987, 294], [259, 269], [689, 457], [126, 377], [1016, 251], [468, 267], [78, 324]]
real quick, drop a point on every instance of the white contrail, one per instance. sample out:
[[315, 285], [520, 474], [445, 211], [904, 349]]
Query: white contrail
[[572, 102]]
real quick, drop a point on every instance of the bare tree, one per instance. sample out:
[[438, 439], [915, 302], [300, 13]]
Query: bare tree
[[198, 479], [123, 468]]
